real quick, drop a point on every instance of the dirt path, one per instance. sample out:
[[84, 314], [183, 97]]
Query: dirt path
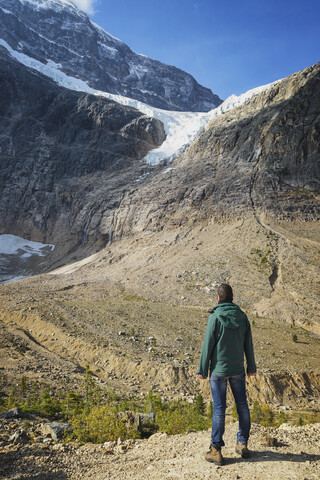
[[295, 456]]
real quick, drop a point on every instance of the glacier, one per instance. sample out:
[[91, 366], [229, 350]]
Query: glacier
[[181, 128]]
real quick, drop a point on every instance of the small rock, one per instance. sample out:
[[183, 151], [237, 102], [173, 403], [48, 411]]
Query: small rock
[[268, 441], [20, 436]]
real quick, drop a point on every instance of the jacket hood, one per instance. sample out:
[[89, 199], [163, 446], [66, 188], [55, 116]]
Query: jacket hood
[[229, 315]]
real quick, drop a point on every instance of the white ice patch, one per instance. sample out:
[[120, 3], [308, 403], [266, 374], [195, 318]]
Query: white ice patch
[[12, 245], [46, 4], [181, 128], [111, 51], [6, 11], [20, 258]]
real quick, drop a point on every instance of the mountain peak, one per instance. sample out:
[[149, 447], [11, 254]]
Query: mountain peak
[[58, 31], [47, 4]]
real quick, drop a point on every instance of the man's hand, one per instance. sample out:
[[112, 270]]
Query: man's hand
[[201, 377], [251, 374]]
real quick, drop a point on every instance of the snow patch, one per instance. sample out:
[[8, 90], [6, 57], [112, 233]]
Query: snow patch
[[6, 11], [12, 245], [111, 50], [20, 258], [74, 266], [47, 4]]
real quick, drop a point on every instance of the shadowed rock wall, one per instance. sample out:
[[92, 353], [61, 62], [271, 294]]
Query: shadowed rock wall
[[53, 141]]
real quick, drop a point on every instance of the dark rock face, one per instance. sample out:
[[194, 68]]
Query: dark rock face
[[61, 33], [56, 147]]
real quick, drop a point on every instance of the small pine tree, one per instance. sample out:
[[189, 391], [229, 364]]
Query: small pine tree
[[23, 386], [256, 414], [73, 404], [262, 415], [282, 418], [199, 404], [295, 338], [267, 416], [91, 391], [210, 411], [300, 422]]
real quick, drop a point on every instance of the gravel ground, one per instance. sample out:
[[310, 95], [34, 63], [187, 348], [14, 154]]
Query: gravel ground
[[294, 454]]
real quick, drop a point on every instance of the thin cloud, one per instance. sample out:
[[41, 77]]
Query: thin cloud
[[86, 5]]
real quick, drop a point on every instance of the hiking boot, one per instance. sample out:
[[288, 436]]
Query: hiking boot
[[214, 456], [242, 449]]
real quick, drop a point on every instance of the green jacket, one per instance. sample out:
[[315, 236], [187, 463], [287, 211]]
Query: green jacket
[[227, 338]]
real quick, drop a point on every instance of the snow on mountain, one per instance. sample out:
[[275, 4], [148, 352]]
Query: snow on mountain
[[85, 5], [54, 50], [47, 4], [181, 128], [20, 258], [57, 30], [12, 245]]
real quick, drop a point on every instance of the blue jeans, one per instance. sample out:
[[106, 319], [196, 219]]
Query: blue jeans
[[218, 390]]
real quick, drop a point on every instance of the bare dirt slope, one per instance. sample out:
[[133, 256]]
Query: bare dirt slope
[[136, 312]]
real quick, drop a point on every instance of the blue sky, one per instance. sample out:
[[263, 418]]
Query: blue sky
[[229, 46]]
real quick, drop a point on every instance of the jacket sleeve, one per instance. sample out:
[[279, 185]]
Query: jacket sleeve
[[207, 347], [248, 350]]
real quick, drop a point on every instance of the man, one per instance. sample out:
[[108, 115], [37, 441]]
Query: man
[[227, 339]]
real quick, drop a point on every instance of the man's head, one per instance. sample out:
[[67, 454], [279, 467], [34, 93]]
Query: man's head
[[225, 292]]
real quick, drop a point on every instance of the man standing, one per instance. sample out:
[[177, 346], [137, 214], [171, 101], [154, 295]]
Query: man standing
[[227, 339]]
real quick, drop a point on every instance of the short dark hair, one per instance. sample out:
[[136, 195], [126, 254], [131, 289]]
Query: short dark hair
[[225, 292]]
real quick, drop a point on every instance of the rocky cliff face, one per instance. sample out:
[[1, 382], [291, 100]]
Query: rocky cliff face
[[57, 31], [56, 145], [260, 158], [71, 172]]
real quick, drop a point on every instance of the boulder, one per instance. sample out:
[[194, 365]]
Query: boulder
[[57, 430], [16, 413]]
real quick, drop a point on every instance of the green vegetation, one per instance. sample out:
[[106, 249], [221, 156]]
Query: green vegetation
[[295, 338], [300, 422], [178, 416], [97, 416], [282, 418], [262, 415], [262, 259], [267, 417], [100, 424]]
